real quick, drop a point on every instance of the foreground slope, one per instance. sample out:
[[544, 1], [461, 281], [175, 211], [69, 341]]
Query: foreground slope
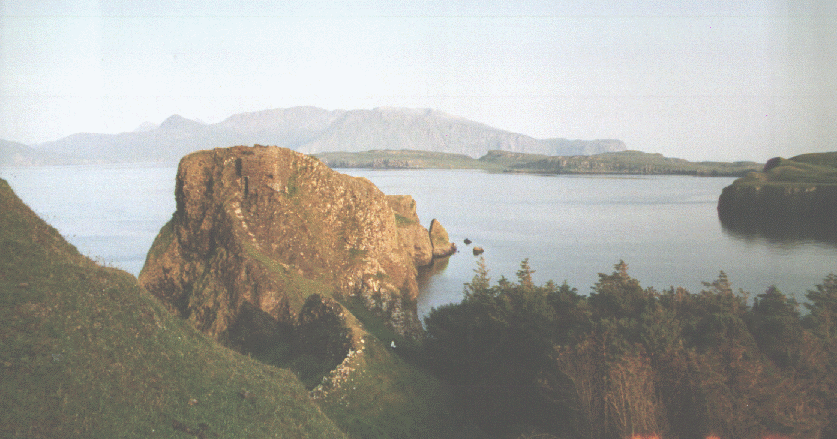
[[85, 352]]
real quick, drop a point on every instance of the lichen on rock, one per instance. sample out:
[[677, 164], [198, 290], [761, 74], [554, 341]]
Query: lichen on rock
[[258, 230]]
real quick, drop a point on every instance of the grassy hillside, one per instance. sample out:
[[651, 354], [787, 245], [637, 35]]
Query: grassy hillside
[[805, 169], [85, 352], [385, 392]]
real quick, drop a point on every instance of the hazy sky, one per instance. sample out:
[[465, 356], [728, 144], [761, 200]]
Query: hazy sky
[[697, 79]]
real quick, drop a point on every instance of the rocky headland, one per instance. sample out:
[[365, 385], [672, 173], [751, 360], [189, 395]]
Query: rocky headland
[[789, 198], [258, 230]]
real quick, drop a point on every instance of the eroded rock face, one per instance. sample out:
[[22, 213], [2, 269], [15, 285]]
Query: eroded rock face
[[442, 247], [414, 238], [781, 212], [258, 230]]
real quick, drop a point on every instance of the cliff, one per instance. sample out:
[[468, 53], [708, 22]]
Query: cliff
[[789, 198], [258, 230]]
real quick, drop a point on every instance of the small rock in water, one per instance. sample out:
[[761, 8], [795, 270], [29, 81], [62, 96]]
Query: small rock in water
[[478, 251]]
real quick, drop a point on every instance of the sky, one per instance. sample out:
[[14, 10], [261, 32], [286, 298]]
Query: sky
[[699, 79]]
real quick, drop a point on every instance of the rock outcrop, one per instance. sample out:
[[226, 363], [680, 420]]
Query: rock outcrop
[[792, 198], [414, 238], [258, 230], [442, 247], [780, 211]]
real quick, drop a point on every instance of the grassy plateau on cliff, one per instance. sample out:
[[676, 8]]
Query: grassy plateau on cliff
[[792, 198], [805, 169]]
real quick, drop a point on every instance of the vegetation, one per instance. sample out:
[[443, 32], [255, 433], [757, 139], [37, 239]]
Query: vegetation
[[397, 159], [402, 221], [627, 361], [85, 352], [624, 162], [633, 162], [806, 169]]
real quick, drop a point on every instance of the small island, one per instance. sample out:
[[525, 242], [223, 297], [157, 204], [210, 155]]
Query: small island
[[790, 198]]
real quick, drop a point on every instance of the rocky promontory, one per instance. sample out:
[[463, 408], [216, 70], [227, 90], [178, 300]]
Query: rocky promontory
[[257, 230], [789, 198]]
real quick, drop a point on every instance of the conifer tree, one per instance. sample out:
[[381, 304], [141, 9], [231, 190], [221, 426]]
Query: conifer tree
[[823, 308]]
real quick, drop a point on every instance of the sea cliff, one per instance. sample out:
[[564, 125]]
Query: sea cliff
[[794, 197], [258, 230]]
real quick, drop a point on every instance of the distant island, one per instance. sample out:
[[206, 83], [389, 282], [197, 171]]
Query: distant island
[[309, 130], [788, 198], [388, 138], [619, 162]]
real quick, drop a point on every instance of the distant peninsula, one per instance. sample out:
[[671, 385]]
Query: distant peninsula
[[619, 162], [794, 197]]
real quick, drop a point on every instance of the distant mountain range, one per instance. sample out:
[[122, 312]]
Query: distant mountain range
[[306, 129]]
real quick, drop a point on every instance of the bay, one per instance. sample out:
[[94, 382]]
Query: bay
[[569, 227]]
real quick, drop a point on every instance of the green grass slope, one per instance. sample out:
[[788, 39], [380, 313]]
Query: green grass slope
[[383, 392], [85, 352], [805, 170]]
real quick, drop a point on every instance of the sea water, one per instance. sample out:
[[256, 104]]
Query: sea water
[[570, 228]]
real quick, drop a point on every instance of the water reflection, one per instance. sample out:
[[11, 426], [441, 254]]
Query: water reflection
[[782, 231], [438, 266]]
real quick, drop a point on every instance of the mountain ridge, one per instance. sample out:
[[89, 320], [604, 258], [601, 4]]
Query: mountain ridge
[[306, 129]]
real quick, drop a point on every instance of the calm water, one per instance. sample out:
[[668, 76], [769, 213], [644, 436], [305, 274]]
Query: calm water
[[110, 213], [570, 227]]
